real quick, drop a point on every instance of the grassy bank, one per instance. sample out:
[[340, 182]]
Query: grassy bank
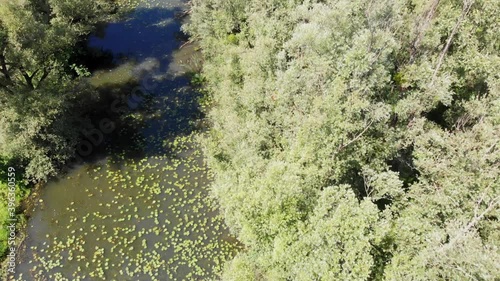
[[11, 211]]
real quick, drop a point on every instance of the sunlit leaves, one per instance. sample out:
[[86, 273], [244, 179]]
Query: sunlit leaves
[[363, 96]]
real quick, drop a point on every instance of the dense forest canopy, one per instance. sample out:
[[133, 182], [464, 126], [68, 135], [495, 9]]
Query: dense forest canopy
[[349, 139], [355, 140]]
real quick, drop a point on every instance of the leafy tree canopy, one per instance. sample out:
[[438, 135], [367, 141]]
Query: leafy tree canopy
[[355, 140]]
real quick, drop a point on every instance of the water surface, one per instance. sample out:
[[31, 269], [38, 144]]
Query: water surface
[[139, 208]]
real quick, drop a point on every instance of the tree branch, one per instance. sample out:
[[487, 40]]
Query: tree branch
[[34, 73], [465, 11], [4, 69], [27, 78], [341, 147], [186, 43], [422, 28], [46, 72], [491, 205]]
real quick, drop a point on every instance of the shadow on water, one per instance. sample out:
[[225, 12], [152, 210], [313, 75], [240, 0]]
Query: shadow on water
[[146, 98]]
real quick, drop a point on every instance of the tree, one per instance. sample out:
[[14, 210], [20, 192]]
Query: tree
[[354, 139], [39, 86]]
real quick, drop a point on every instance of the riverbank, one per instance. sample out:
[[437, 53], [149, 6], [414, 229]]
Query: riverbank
[[23, 212]]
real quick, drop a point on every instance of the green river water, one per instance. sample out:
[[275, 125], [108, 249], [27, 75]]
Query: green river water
[[139, 208]]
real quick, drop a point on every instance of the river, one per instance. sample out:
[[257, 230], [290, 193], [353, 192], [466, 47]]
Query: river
[[139, 208]]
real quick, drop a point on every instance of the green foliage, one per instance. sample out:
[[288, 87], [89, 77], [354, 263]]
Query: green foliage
[[231, 38], [39, 87], [197, 79], [355, 140], [80, 70], [20, 191]]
